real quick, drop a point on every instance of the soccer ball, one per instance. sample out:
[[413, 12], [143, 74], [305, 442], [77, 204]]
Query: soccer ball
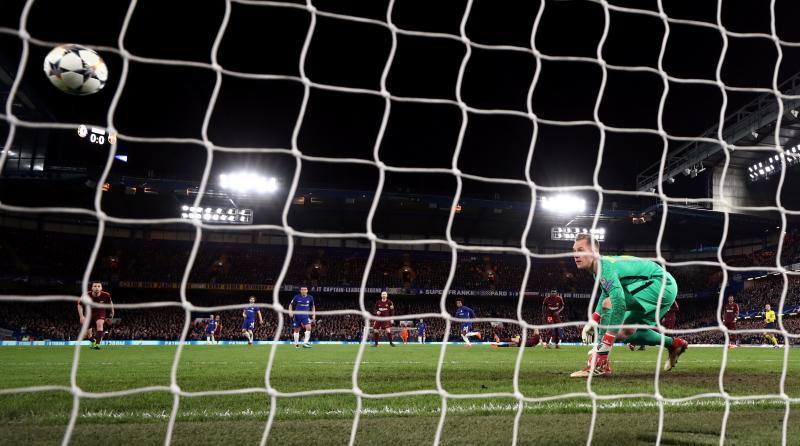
[[75, 69]]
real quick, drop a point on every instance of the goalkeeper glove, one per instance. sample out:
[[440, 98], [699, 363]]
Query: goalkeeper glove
[[587, 335]]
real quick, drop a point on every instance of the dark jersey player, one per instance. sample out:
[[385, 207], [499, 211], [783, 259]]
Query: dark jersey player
[[421, 327], [249, 323], [730, 314], [218, 329], [304, 303], [466, 314], [211, 327], [670, 320], [383, 308], [97, 318], [515, 341], [552, 306]]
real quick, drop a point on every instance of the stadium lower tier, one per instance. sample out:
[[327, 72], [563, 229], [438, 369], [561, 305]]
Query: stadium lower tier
[[59, 320]]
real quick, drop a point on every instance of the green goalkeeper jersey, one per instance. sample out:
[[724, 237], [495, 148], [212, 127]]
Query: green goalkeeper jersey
[[633, 285]]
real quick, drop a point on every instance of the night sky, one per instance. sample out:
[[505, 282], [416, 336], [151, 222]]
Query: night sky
[[171, 101]]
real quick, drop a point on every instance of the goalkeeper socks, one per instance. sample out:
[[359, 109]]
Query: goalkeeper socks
[[606, 343], [770, 337], [296, 336], [307, 337], [648, 337]]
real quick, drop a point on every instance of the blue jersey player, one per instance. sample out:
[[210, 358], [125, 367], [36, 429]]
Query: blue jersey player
[[249, 323], [465, 312], [304, 304], [211, 327], [421, 327]]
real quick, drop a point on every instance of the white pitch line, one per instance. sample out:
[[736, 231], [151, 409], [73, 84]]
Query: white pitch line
[[434, 410]]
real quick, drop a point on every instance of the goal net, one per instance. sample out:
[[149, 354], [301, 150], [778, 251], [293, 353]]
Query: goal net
[[468, 112]]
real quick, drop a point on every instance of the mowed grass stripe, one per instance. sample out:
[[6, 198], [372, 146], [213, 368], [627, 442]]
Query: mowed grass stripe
[[475, 371]]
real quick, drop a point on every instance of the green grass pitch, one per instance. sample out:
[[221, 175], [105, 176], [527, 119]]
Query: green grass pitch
[[41, 418]]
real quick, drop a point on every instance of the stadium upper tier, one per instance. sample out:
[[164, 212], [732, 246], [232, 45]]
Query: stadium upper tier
[[44, 258]]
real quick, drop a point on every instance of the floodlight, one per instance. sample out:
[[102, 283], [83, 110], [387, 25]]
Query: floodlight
[[244, 183], [564, 204]]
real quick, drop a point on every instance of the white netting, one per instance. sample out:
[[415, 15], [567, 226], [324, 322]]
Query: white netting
[[295, 151]]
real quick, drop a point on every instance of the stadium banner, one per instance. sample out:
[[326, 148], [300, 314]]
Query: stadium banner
[[168, 343], [155, 343], [370, 290]]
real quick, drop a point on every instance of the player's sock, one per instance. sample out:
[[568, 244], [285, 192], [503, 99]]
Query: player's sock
[[307, 337], [99, 337], [466, 339], [390, 337], [771, 338], [605, 345], [208, 338], [419, 339], [473, 333], [296, 336], [648, 337]]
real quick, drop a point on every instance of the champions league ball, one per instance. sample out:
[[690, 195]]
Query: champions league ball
[[76, 70]]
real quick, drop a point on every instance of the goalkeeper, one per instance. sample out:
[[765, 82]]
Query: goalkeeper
[[629, 293]]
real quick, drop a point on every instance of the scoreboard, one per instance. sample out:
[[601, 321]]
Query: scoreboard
[[96, 135], [568, 233]]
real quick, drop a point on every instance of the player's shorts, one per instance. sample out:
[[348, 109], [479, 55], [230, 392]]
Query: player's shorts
[[730, 325], [248, 325], [668, 324], [643, 311], [553, 318], [96, 316], [209, 332], [771, 326], [300, 320], [466, 328], [381, 325]]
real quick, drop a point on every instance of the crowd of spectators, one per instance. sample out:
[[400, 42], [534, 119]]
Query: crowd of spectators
[[27, 255], [767, 256], [59, 321], [62, 258]]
